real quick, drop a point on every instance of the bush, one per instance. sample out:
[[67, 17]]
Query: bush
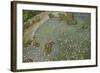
[[27, 14], [26, 44], [68, 19], [26, 25]]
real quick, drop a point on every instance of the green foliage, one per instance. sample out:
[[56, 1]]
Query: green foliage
[[26, 25], [68, 19], [26, 44], [27, 14]]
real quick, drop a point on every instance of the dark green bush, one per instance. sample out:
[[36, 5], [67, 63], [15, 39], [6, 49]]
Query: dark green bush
[[27, 14]]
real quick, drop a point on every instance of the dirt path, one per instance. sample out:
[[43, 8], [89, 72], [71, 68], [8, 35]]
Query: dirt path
[[29, 33]]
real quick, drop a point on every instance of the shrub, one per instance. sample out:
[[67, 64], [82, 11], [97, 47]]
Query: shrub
[[27, 14], [68, 19], [26, 25], [26, 44]]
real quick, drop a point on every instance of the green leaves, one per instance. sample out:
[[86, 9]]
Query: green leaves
[[68, 19], [27, 14]]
